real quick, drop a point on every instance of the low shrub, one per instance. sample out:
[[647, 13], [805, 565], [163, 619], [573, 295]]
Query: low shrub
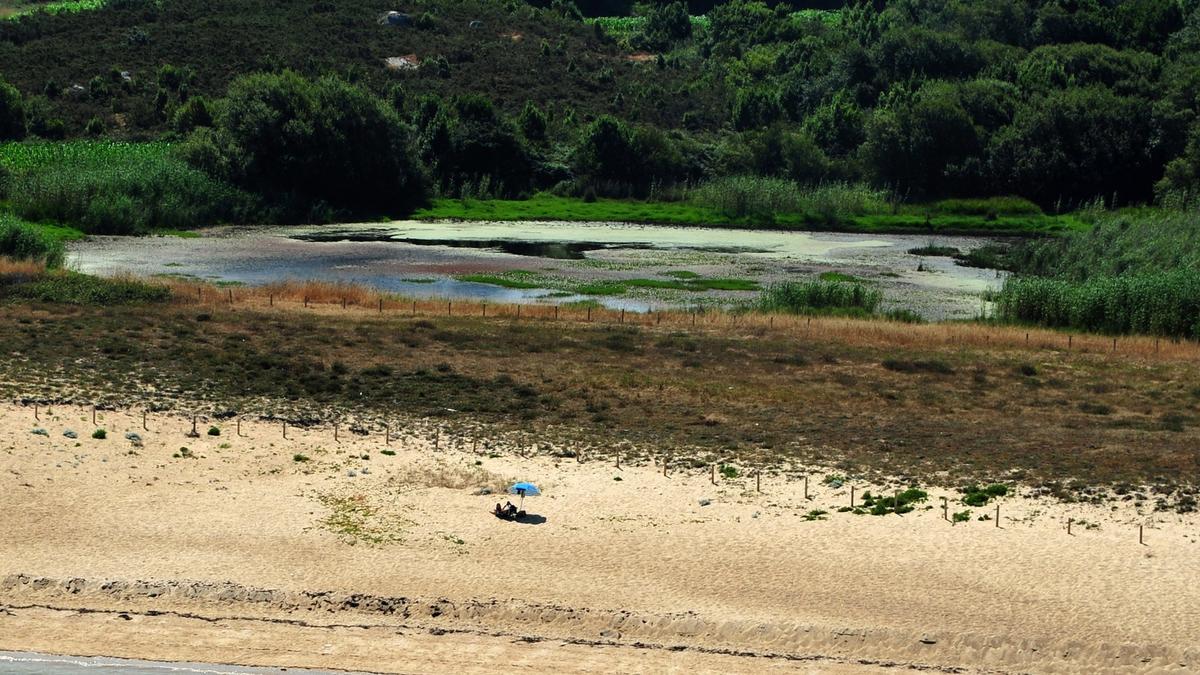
[[932, 366], [100, 434], [80, 289], [22, 241]]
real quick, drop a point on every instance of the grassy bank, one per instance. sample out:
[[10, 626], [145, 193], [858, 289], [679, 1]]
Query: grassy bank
[[907, 219], [729, 386]]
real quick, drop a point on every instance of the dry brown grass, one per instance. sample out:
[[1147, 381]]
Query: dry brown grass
[[20, 269], [451, 477], [939, 402], [327, 297]]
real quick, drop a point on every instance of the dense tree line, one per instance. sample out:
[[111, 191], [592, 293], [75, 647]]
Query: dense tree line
[[1062, 101]]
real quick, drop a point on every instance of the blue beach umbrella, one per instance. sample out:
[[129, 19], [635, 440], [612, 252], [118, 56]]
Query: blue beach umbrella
[[524, 489]]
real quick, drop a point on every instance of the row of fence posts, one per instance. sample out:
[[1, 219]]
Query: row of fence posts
[[666, 462], [620, 319]]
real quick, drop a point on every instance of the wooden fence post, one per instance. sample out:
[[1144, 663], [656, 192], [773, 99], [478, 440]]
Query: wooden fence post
[[589, 314], [806, 487], [285, 430], [231, 296], [238, 433], [93, 414], [144, 426], [1069, 521], [271, 299], [714, 474], [335, 432], [414, 310], [381, 305], [758, 480], [387, 434], [35, 413], [1141, 539], [997, 515], [622, 316], [851, 496]]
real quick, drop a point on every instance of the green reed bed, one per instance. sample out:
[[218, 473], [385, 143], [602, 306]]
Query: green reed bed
[[1165, 303], [107, 187]]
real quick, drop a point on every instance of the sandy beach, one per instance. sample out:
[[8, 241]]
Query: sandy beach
[[311, 552]]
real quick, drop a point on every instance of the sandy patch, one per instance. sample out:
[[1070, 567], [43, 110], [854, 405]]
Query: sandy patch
[[239, 550]]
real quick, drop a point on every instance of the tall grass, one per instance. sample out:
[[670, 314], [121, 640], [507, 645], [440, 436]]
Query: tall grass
[[1164, 303], [820, 296], [1135, 241], [988, 207], [105, 187], [23, 242], [764, 199]]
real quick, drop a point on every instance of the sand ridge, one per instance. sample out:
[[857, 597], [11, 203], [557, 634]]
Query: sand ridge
[[238, 530]]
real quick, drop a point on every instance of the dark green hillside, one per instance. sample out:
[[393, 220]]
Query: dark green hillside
[[516, 54]]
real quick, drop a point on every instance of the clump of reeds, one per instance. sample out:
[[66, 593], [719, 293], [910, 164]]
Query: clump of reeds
[[761, 198], [817, 295]]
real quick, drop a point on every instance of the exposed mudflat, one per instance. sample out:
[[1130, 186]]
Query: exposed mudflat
[[557, 259]]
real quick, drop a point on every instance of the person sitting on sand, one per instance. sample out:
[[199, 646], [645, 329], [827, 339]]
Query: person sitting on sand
[[510, 509], [499, 510]]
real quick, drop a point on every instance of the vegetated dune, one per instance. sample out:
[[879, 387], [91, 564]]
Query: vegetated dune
[[309, 551]]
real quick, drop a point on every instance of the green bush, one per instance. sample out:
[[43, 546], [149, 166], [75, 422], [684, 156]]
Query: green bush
[[99, 434], [213, 431], [311, 144], [22, 241]]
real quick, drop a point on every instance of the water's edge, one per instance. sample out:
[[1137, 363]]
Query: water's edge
[[33, 663]]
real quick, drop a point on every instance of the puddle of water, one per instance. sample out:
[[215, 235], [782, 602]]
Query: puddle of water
[[30, 663]]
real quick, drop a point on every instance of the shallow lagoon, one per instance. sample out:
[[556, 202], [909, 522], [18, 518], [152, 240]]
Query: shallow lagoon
[[423, 259]]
